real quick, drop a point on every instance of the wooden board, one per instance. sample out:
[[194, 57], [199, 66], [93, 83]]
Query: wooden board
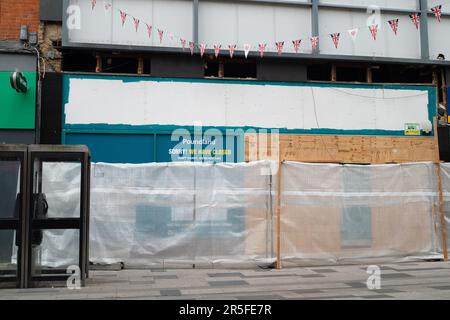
[[342, 149]]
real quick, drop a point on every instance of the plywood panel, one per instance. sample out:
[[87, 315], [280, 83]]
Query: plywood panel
[[344, 149]]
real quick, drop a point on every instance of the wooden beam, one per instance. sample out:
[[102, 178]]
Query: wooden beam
[[333, 73], [140, 69], [369, 75], [98, 66], [441, 195]]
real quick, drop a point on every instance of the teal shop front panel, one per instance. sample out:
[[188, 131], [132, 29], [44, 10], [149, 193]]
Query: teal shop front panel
[[116, 148], [158, 147]]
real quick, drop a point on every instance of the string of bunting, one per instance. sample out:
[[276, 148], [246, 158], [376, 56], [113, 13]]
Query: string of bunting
[[263, 47]]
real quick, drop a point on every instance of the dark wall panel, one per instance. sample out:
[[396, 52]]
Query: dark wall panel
[[17, 136], [18, 62], [177, 66], [51, 108], [289, 71], [51, 10], [444, 143]]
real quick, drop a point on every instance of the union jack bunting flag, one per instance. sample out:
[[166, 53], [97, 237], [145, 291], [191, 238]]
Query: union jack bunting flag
[[217, 49], [437, 12], [374, 31], [191, 47], [335, 37], [262, 48], [161, 35], [415, 18], [93, 3], [149, 30], [296, 44], [232, 49], [394, 25], [280, 46], [136, 23], [314, 42], [123, 16], [183, 43]]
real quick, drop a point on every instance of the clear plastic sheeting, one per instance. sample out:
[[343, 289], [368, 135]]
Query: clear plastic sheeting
[[445, 169], [347, 213], [166, 215], [180, 214]]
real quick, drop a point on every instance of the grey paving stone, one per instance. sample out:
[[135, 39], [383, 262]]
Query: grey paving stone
[[270, 276], [324, 270], [228, 283], [396, 276], [422, 269], [136, 283], [441, 288], [165, 277], [170, 292], [307, 291], [383, 291], [261, 297], [356, 284], [331, 297], [312, 276], [225, 274], [377, 296]]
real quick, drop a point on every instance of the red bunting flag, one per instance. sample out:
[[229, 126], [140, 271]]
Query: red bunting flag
[[217, 50], [247, 48], [335, 37], [149, 30], [183, 43], [93, 3], [415, 18], [437, 12], [279, 46], [191, 47], [262, 48], [202, 48], [232, 49], [296, 44], [136, 23], [123, 16], [161, 35], [314, 42], [394, 25], [374, 31]]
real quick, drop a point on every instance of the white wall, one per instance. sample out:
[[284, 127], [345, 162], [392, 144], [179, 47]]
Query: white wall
[[93, 101]]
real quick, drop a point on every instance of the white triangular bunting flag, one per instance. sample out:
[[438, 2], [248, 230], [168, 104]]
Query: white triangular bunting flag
[[191, 47], [247, 48], [183, 43], [353, 33], [107, 5], [202, 48]]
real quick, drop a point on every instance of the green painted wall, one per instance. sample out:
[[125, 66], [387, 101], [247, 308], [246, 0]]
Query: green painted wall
[[17, 110]]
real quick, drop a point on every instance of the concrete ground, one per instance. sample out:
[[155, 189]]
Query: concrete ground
[[421, 280]]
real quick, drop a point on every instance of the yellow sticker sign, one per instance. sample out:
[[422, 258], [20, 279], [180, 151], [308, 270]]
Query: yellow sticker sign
[[412, 129]]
